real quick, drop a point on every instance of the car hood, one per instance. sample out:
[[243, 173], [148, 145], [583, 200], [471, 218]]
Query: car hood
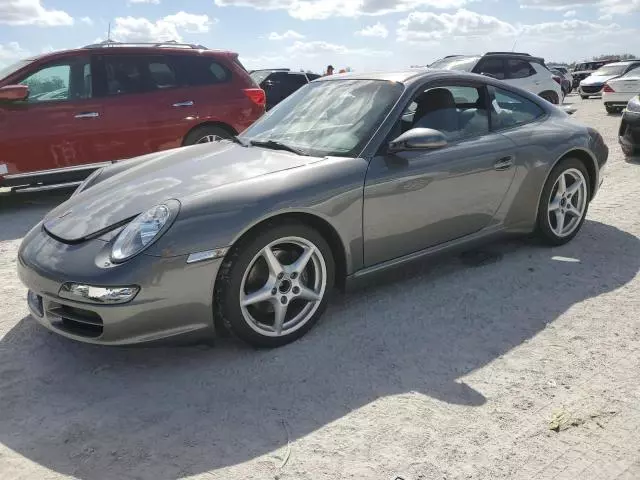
[[173, 174], [597, 79]]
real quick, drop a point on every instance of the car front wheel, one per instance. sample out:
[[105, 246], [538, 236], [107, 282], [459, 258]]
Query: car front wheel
[[564, 202], [274, 286]]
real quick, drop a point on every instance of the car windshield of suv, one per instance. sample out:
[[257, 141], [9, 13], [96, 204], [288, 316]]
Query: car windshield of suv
[[14, 67], [334, 117], [259, 76], [455, 63], [610, 70]]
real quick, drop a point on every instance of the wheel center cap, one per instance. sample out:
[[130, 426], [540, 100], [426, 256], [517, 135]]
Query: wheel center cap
[[285, 286]]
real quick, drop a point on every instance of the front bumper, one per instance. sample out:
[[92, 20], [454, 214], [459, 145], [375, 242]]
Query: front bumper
[[617, 99], [174, 302], [629, 132]]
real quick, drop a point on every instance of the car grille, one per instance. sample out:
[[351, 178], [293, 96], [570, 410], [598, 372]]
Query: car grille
[[591, 88], [76, 321]]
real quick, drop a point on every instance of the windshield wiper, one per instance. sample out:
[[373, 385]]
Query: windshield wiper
[[276, 145]]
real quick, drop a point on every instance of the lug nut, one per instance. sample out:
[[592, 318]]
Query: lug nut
[[283, 300], [280, 275], [294, 275], [274, 291], [296, 290]]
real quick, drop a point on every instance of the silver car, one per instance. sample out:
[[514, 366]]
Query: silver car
[[351, 175]]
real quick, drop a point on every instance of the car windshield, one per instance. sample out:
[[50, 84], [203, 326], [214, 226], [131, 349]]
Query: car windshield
[[610, 70], [635, 72], [455, 63], [334, 117], [259, 75], [14, 67]]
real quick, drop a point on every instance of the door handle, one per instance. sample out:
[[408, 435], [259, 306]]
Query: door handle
[[504, 163], [87, 115], [188, 103]]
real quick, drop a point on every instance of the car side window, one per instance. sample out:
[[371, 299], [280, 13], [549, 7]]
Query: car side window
[[62, 81], [203, 70], [492, 66], [519, 68], [162, 74], [123, 74], [459, 112], [296, 80], [509, 109]]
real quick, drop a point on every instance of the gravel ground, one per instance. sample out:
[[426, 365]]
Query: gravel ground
[[455, 369]]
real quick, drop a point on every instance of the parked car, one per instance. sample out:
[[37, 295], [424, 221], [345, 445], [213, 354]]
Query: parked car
[[594, 83], [518, 69], [565, 84], [584, 69], [64, 114], [629, 133], [617, 92], [565, 72], [278, 84], [328, 187]]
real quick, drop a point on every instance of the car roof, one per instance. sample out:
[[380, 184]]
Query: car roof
[[142, 49], [624, 62], [404, 76]]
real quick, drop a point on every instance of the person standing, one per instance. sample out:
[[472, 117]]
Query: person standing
[[329, 70]]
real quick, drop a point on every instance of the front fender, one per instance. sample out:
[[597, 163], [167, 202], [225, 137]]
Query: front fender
[[330, 190]]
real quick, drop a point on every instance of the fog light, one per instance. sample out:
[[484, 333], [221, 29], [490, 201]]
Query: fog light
[[91, 294], [35, 303]]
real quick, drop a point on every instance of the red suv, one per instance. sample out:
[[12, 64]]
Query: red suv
[[64, 114]]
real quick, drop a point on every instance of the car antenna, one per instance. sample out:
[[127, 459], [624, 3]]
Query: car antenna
[[109, 33]]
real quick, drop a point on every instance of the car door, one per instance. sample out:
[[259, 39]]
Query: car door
[[123, 88], [56, 126], [418, 199]]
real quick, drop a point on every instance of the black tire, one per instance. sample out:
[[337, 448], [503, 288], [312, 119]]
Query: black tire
[[241, 257], [584, 97], [198, 134], [551, 97], [611, 110], [628, 151], [544, 227]]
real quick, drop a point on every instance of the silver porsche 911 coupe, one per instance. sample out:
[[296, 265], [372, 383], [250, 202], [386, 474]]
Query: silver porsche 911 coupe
[[350, 175]]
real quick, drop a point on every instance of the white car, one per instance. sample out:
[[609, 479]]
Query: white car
[[519, 69], [592, 85], [617, 92]]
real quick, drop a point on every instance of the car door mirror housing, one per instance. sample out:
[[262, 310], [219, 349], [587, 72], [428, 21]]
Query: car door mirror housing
[[12, 93], [418, 139]]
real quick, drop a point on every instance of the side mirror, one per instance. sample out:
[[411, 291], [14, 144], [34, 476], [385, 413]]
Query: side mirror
[[568, 109], [418, 139], [267, 84], [14, 93], [490, 75]]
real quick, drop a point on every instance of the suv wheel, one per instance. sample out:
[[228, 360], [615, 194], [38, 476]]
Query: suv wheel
[[611, 109], [207, 134]]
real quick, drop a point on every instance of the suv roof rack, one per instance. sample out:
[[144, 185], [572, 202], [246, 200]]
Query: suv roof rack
[[509, 53], [169, 44]]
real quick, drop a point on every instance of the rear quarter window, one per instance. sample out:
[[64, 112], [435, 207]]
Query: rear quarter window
[[509, 109], [204, 70]]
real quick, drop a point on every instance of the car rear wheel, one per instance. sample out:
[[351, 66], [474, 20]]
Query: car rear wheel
[[611, 109], [274, 286], [207, 134], [564, 202]]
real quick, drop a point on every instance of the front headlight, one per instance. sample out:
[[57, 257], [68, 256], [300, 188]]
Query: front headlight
[[143, 230], [87, 182]]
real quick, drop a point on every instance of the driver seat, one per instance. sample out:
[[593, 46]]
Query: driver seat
[[437, 110]]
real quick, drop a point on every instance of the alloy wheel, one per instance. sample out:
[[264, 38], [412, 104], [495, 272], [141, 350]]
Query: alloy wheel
[[210, 138], [283, 286], [567, 202]]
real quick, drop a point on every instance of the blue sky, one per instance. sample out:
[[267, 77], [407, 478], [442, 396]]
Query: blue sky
[[309, 34]]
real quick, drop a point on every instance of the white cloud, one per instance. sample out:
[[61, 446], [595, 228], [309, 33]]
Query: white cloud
[[288, 35], [87, 21], [569, 29], [377, 30], [11, 52], [426, 27], [313, 49], [31, 12], [140, 29], [606, 18], [570, 13], [321, 9], [154, 2], [47, 49], [605, 6]]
